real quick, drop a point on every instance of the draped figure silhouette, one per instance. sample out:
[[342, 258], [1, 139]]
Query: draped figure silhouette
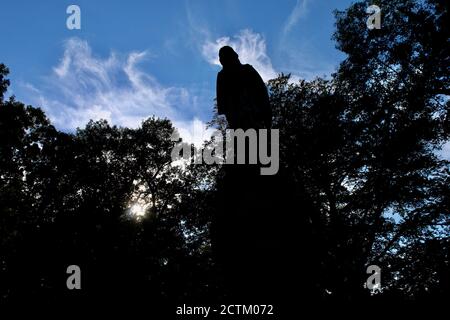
[[246, 231], [241, 93]]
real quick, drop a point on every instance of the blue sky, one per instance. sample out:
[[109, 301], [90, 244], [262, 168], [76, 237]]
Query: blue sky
[[133, 59]]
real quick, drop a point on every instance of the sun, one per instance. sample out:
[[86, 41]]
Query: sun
[[139, 203], [138, 210]]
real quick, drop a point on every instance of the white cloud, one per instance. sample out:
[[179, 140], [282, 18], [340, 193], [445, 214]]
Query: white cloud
[[83, 87], [303, 57], [251, 48], [303, 61], [193, 131], [299, 11]]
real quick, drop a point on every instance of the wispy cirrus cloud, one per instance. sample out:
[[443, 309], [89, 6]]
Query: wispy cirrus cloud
[[299, 11], [251, 48], [84, 87], [298, 47]]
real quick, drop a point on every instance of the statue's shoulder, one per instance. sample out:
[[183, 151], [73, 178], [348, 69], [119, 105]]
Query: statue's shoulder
[[248, 69]]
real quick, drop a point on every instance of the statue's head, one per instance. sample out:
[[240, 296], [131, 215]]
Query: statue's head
[[228, 57]]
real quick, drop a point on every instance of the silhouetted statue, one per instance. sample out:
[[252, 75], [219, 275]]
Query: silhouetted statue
[[245, 232], [241, 93]]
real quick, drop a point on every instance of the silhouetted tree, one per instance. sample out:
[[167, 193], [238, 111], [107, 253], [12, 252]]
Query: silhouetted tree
[[68, 199], [362, 148]]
